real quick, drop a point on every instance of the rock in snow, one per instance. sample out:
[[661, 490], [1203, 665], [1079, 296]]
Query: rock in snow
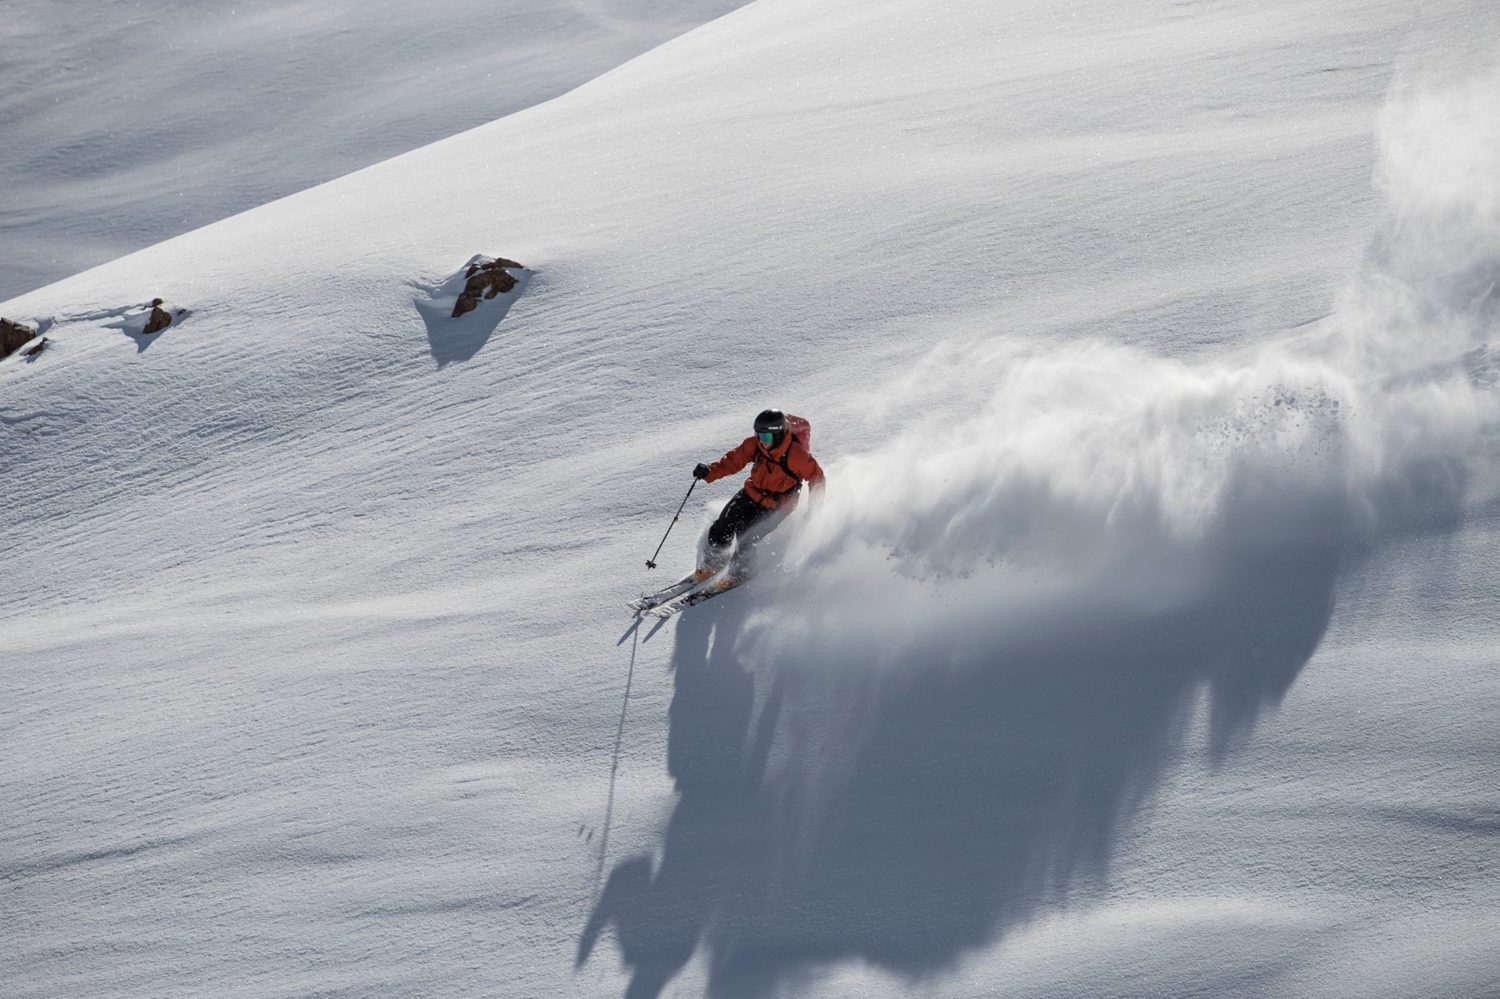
[[159, 319], [13, 336], [486, 278]]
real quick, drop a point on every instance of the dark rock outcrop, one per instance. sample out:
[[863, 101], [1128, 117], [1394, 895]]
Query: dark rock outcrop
[[13, 335], [160, 318], [486, 279]]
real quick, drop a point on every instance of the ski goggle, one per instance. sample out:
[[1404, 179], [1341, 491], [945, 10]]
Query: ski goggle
[[766, 437]]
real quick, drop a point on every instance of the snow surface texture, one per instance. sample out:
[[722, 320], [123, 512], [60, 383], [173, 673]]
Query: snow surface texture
[[1144, 410], [126, 124]]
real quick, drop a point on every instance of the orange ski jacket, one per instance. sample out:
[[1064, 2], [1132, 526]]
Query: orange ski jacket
[[769, 484]]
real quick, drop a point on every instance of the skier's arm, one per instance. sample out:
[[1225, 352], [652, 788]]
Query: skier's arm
[[806, 467], [732, 461]]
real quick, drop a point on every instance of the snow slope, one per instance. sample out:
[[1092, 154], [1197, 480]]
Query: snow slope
[[1145, 411], [127, 125]]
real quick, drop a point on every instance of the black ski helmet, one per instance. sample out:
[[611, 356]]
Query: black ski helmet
[[773, 422]]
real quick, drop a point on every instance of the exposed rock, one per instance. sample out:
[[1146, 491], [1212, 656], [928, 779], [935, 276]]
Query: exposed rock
[[13, 335], [160, 318], [486, 279]]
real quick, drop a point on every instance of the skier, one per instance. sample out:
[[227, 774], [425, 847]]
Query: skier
[[782, 463], [778, 452]]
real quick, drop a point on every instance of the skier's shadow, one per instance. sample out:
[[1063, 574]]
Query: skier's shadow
[[717, 763], [912, 813]]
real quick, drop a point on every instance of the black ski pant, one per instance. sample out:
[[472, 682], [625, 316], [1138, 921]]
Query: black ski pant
[[745, 519]]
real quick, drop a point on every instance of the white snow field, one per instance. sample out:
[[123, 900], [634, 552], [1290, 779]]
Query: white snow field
[[1144, 643], [125, 124]]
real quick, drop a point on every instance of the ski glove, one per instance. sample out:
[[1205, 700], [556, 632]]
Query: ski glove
[[701, 472]]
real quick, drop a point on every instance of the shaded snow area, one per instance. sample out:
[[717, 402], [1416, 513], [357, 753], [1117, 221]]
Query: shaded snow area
[[1143, 644], [124, 124]]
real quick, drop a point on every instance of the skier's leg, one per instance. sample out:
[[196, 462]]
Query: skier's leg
[[764, 522], [738, 515]]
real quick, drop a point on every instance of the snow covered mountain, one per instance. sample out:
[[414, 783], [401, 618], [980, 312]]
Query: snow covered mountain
[[1144, 643], [124, 126]]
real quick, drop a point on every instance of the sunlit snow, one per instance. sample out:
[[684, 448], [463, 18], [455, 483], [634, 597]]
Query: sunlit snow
[[1143, 644]]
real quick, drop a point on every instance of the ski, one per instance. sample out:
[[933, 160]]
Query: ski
[[692, 599], [677, 589]]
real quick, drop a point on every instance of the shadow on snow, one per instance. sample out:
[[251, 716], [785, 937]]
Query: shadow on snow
[[904, 814], [455, 340]]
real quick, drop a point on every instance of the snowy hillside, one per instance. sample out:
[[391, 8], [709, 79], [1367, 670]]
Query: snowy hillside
[[1144, 642], [125, 125]]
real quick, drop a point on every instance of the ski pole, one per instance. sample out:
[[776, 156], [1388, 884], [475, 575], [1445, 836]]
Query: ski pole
[[651, 562]]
